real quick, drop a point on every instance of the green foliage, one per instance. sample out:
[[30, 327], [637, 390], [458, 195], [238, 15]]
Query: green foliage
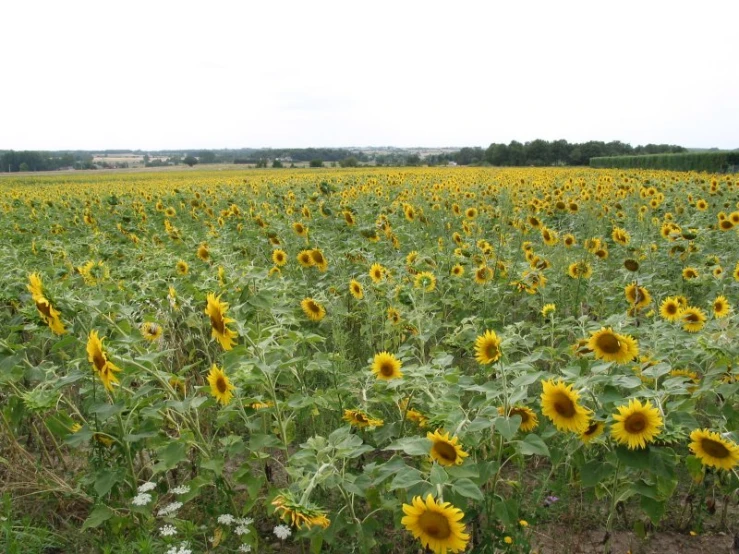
[[712, 162]]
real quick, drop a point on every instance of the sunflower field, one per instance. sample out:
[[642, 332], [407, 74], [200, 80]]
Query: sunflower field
[[367, 360]]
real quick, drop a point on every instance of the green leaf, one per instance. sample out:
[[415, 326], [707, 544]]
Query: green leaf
[[533, 444], [215, 465], [467, 488], [106, 478], [97, 517], [506, 511], [438, 476], [507, 426], [594, 472], [638, 459], [413, 446], [170, 456], [406, 479], [653, 508]]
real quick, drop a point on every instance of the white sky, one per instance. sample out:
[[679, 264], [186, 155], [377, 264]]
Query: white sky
[[160, 74]]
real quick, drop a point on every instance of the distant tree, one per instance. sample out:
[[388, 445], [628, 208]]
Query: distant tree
[[413, 160], [190, 160], [207, 157], [277, 163], [146, 158], [23, 167], [316, 163], [351, 161]]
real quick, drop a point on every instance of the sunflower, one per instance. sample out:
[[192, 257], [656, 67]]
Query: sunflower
[[220, 386], [348, 217], [203, 252], [580, 270], [301, 514], [305, 259], [104, 368], [559, 403], [621, 236], [182, 267], [487, 348], [594, 430], [631, 265], [356, 290], [735, 273], [457, 270], [529, 420], [613, 347], [386, 366], [690, 273], [693, 319], [377, 273], [713, 450], [446, 450], [319, 260], [393, 315], [636, 424], [35, 286], [300, 229], [216, 310], [721, 307], [151, 331], [483, 274], [569, 240], [670, 309], [411, 258], [279, 257], [50, 315], [436, 524], [425, 280], [312, 309], [358, 418], [637, 296], [548, 309]]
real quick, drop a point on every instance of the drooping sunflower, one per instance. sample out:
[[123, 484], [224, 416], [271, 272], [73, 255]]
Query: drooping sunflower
[[151, 331], [670, 309], [301, 514], [559, 402], [721, 307], [35, 286], [356, 290], [279, 257], [548, 309], [425, 280], [319, 260], [50, 315], [613, 347], [220, 385], [446, 450], [436, 524], [359, 418], [386, 366], [529, 420], [313, 309], [487, 348], [594, 430], [377, 273], [182, 267], [636, 424], [104, 368], [637, 296], [216, 311], [713, 450], [203, 252], [693, 319], [305, 259]]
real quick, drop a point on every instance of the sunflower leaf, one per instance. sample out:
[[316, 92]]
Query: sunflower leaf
[[467, 488], [413, 446]]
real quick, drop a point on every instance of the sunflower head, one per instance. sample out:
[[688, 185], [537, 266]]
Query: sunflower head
[[613, 347], [487, 348], [377, 273], [529, 419], [220, 385], [559, 402], [721, 307], [279, 257], [359, 418], [636, 424], [313, 309], [713, 450], [670, 309], [305, 259], [445, 450], [301, 514], [386, 367], [594, 430], [425, 280], [356, 290], [182, 267], [216, 311], [151, 331], [436, 525], [693, 319]]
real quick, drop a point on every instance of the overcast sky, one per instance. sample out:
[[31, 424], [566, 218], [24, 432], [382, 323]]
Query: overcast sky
[[160, 74]]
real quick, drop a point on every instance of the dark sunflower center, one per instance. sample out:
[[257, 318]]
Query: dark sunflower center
[[635, 423], [671, 309], [435, 525], [313, 307], [44, 308], [446, 451], [491, 350], [715, 448], [217, 322], [609, 344], [563, 405], [524, 415], [221, 385], [718, 306], [99, 360], [592, 428], [360, 418], [692, 318], [387, 369]]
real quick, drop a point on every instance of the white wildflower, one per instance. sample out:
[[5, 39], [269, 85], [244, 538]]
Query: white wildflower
[[282, 532], [170, 509], [141, 499], [146, 487], [168, 531], [244, 521], [226, 519], [244, 548], [242, 530], [182, 549], [182, 489]]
